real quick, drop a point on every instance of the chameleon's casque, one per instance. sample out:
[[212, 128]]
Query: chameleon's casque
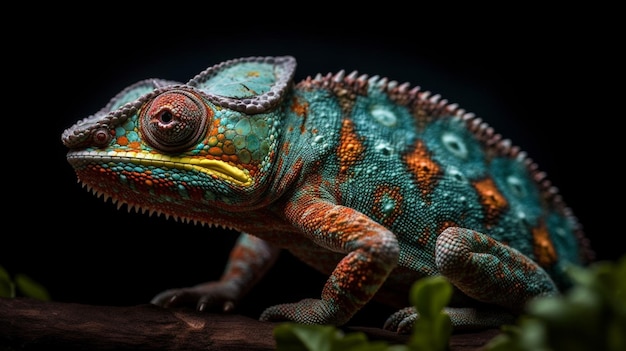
[[375, 183]]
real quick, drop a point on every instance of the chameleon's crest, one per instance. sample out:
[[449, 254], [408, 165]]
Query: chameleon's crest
[[250, 85]]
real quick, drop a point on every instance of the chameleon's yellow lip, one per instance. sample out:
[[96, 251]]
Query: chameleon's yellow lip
[[212, 168]]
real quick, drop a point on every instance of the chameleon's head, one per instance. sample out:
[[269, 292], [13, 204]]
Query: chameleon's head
[[169, 147]]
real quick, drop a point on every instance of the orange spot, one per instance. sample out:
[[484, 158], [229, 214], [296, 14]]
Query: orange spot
[[544, 251], [214, 128], [215, 151], [148, 182], [286, 147], [350, 146], [135, 145], [122, 141], [301, 109], [426, 171], [491, 199]]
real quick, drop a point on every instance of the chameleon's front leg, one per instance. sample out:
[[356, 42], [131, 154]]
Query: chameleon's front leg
[[248, 261], [371, 254]]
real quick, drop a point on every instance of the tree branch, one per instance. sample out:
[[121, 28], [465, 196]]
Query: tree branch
[[29, 324], [32, 324]]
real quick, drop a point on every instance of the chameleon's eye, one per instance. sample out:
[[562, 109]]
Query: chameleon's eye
[[101, 137], [174, 120]]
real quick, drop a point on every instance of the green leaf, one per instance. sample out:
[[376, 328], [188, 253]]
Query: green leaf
[[430, 295], [433, 328], [4, 275], [298, 337], [589, 316], [31, 288], [442, 330], [7, 288], [293, 336]]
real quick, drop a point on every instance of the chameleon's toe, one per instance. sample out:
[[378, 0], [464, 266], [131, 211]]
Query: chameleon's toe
[[215, 296], [173, 298], [307, 311], [402, 321]]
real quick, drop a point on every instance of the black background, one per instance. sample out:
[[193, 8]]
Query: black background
[[542, 79]]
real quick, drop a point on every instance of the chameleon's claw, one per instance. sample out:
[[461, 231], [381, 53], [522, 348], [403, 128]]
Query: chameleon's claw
[[211, 302], [169, 298], [228, 306]]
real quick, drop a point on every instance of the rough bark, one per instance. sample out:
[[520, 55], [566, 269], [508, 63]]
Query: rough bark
[[28, 324]]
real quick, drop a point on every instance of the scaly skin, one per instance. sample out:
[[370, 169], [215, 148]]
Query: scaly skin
[[372, 182]]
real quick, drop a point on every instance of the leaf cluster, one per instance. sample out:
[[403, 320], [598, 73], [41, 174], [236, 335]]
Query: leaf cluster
[[21, 285], [589, 316]]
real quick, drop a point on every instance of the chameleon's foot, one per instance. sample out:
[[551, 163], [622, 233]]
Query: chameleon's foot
[[215, 296], [461, 319], [307, 311], [402, 321]]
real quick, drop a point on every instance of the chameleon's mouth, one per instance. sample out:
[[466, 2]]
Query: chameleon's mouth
[[212, 168]]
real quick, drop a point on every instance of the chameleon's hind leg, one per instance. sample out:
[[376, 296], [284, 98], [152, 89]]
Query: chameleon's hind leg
[[487, 271]]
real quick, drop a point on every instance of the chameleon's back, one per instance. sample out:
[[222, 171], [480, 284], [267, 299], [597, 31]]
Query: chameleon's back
[[418, 165]]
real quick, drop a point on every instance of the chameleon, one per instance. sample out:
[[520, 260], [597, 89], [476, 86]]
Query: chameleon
[[373, 182]]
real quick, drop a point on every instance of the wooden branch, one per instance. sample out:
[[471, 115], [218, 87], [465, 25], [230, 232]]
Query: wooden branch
[[28, 324], [32, 324]]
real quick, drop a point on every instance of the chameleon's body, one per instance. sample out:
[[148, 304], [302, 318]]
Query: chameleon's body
[[372, 182]]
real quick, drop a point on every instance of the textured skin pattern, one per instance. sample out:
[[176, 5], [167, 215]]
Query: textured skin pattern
[[375, 183]]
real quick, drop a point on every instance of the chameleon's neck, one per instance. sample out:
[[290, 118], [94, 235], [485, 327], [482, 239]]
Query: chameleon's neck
[[292, 151], [307, 138]]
